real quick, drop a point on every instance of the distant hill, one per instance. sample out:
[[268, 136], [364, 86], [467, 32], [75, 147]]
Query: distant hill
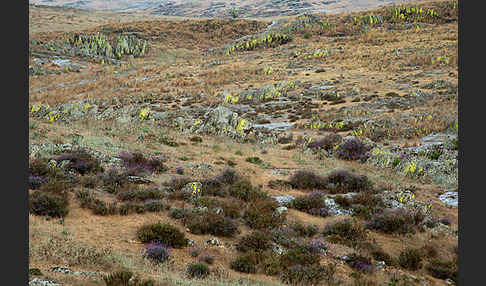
[[224, 8]]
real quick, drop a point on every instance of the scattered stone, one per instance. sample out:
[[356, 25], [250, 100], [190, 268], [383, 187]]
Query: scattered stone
[[450, 199], [281, 210], [284, 200], [41, 282], [213, 241]]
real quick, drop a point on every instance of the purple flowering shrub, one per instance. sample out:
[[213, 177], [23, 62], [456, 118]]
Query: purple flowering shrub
[[352, 150], [158, 252], [137, 164], [80, 162], [35, 182], [359, 262], [397, 220]]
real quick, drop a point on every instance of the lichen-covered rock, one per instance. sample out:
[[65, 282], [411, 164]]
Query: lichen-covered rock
[[42, 282], [450, 199], [222, 120]]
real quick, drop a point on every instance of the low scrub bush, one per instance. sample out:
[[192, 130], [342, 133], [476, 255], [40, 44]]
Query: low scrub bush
[[359, 262], [411, 259], [343, 181], [176, 213], [245, 191], [48, 204], [261, 214], [124, 278], [163, 233], [352, 150], [304, 230], [136, 162], [256, 240], [157, 252], [246, 263], [307, 180], [133, 192], [313, 204], [209, 222], [207, 259], [442, 269], [298, 256], [347, 232], [197, 270], [395, 221], [307, 274], [80, 162], [113, 180]]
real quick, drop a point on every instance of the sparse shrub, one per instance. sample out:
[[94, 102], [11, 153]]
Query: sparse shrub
[[317, 246], [442, 269], [313, 204], [346, 232], [326, 143], [197, 270], [272, 266], [208, 222], [179, 170], [344, 181], [177, 183], [119, 278], [430, 251], [56, 186], [177, 213], [305, 274], [380, 255], [100, 207], [158, 252], [261, 214], [164, 233], [88, 181], [352, 149], [285, 236], [194, 251], [207, 258], [410, 259], [359, 262], [112, 180], [231, 208], [394, 220], [307, 180], [343, 201], [196, 139], [35, 271], [254, 160], [81, 162], [256, 240], [48, 204]]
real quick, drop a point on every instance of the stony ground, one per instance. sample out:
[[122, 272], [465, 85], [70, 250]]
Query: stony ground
[[368, 92]]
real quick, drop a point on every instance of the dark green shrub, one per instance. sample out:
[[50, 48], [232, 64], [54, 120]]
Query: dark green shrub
[[313, 204], [164, 233], [207, 258], [100, 207], [298, 256], [231, 208], [272, 266], [352, 149], [410, 259], [346, 232], [380, 255], [208, 222], [48, 204], [197, 270], [256, 240], [176, 213], [343, 201], [254, 160], [35, 271], [136, 193]]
